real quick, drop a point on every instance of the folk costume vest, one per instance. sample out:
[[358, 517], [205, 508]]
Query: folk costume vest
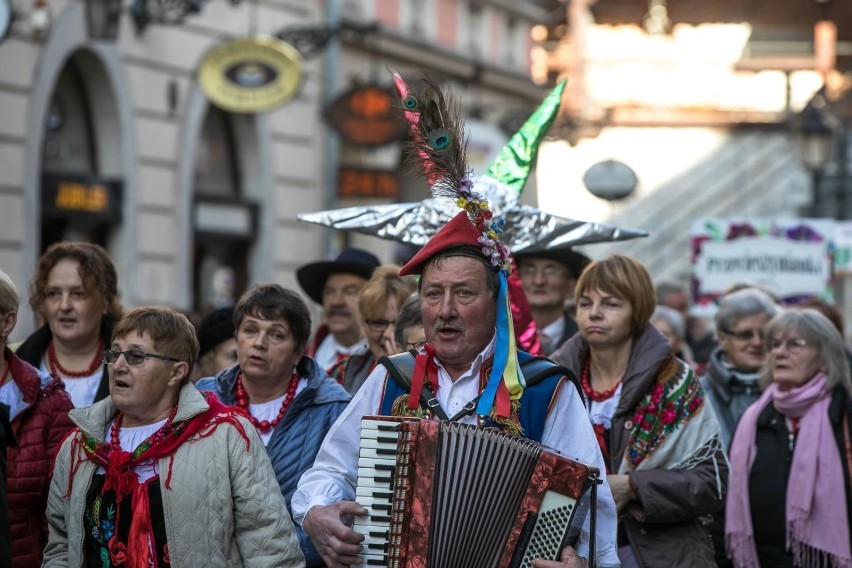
[[542, 378]]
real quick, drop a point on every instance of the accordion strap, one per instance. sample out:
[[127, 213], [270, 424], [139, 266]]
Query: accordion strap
[[535, 369]]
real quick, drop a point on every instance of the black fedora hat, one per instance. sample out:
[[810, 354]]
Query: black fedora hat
[[352, 260], [573, 260]]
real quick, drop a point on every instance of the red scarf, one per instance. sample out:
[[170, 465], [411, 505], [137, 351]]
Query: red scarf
[[425, 368], [120, 476]]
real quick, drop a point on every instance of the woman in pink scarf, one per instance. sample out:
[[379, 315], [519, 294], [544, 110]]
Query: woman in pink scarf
[[789, 501]]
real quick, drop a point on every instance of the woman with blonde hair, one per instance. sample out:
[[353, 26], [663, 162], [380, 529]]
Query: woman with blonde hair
[[379, 303]]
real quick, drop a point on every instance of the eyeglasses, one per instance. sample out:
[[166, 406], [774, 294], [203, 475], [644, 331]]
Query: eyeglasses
[[133, 356], [745, 334], [793, 345], [548, 271], [378, 324], [415, 346]]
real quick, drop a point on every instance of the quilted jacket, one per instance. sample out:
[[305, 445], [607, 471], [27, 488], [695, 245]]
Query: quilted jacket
[[297, 438], [221, 508], [39, 409]]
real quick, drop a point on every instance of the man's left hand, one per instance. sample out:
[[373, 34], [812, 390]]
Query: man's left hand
[[569, 559]]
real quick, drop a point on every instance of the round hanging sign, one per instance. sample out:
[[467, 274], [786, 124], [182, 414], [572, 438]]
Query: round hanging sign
[[251, 75], [610, 180]]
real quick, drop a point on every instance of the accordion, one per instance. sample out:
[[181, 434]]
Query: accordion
[[448, 495]]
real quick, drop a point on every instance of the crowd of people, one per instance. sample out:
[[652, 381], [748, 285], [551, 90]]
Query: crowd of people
[[127, 434], [137, 439]]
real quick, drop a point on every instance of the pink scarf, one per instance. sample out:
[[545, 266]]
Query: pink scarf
[[817, 524]]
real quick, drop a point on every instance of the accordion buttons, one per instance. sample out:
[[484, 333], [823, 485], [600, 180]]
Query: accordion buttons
[[628, 425]]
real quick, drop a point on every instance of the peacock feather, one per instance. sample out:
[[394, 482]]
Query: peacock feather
[[437, 148]]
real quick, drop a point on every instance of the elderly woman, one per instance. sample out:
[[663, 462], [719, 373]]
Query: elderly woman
[[159, 475], [789, 501], [730, 377], [39, 421], [670, 323], [379, 303], [409, 333], [665, 463], [289, 398], [75, 291]]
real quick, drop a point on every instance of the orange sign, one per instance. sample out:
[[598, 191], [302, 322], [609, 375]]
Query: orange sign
[[74, 196], [354, 182], [367, 115]]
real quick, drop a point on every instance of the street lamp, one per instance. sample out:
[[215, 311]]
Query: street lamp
[[813, 137]]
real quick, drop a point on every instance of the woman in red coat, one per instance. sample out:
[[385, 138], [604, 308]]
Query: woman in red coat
[[39, 409]]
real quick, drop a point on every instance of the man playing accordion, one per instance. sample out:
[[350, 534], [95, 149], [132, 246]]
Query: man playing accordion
[[462, 295]]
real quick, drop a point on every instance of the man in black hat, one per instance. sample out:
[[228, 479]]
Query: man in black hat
[[548, 279], [336, 284]]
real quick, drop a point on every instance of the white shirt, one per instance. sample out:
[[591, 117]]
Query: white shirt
[[555, 330], [329, 349], [82, 390], [567, 429], [269, 410]]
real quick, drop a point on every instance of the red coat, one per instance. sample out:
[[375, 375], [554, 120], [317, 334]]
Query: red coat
[[39, 423]]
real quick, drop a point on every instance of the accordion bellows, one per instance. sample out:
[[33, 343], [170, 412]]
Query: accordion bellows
[[449, 495]]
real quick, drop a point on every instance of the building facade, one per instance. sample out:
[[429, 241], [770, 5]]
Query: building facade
[[109, 138]]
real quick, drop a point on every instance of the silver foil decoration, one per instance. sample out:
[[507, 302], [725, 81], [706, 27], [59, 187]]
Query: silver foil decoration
[[527, 229]]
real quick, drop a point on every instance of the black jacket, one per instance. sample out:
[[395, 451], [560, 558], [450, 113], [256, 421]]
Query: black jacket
[[33, 348]]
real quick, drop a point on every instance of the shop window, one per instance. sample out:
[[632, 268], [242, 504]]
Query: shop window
[[224, 220], [77, 201]]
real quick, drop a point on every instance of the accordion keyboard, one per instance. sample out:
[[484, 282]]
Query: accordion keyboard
[[376, 469]]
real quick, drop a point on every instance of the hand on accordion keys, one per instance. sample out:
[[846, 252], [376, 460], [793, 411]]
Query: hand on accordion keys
[[338, 544], [569, 559]]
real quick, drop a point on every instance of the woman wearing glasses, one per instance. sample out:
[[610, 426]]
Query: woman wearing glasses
[[288, 397], [730, 377], [75, 293], [379, 303], [660, 442], [409, 333], [158, 474], [789, 498]]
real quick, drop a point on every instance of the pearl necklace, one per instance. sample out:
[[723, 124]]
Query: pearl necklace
[[266, 425], [58, 371]]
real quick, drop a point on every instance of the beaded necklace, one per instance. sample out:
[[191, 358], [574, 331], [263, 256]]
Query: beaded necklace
[[151, 440], [58, 371], [266, 425], [586, 383]]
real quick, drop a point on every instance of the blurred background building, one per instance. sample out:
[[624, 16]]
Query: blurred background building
[[696, 110], [675, 110], [106, 134]]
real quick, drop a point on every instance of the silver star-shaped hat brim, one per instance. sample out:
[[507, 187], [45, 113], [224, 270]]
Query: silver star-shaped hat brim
[[527, 229]]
